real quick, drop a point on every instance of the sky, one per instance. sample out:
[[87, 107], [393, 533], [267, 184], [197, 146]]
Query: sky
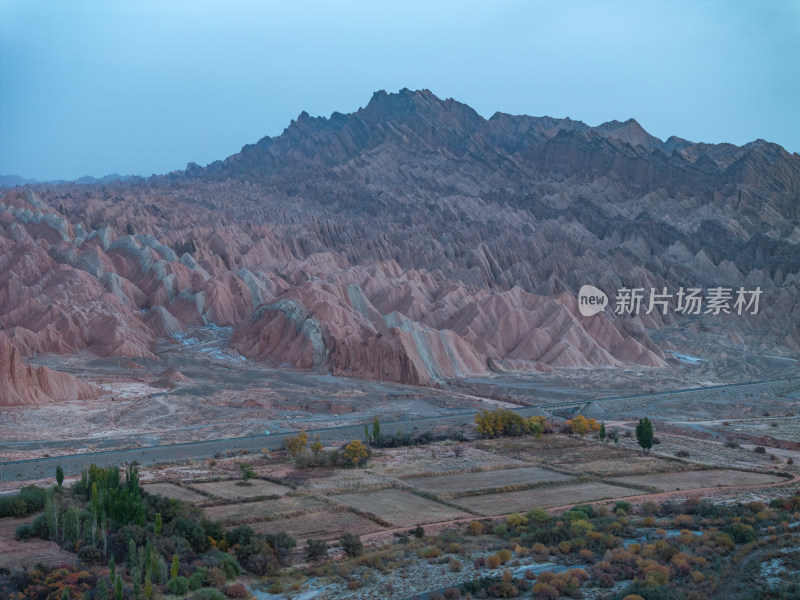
[[147, 86]]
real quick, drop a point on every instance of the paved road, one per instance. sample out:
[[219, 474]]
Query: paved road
[[73, 464]]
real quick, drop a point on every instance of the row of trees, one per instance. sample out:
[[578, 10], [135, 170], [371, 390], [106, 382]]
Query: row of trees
[[580, 425], [354, 453], [504, 422]]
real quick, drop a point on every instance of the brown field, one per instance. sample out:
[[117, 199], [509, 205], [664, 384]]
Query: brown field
[[543, 497], [15, 553], [177, 492], [438, 458], [484, 480], [343, 481], [580, 455], [324, 525], [400, 508], [232, 490], [700, 479], [620, 467], [264, 510]]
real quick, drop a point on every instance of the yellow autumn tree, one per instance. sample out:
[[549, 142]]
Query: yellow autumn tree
[[356, 453], [581, 425], [296, 444]]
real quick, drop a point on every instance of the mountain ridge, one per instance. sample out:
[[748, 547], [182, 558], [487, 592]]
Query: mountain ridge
[[414, 240]]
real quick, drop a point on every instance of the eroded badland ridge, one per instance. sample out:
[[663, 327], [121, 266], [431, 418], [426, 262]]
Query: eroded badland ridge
[[411, 241]]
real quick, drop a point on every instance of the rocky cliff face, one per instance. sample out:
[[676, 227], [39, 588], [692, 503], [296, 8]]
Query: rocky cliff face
[[414, 241]]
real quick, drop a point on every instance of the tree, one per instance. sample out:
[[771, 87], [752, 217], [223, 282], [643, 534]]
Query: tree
[[158, 525], [536, 426], [59, 476], [102, 589], [356, 453], [602, 432], [351, 544], [644, 433], [316, 549], [376, 429], [316, 446], [581, 425], [176, 565], [502, 421], [246, 471], [297, 444]]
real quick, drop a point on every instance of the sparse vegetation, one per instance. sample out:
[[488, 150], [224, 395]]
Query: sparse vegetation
[[246, 472]]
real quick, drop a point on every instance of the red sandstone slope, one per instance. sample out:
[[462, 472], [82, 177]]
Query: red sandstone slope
[[412, 240], [385, 323], [22, 384]]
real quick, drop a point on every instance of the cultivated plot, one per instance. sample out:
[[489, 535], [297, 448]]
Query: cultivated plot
[[700, 479], [234, 490], [464, 482], [324, 525], [19, 553], [620, 466], [542, 497], [400, 508], [264, 510], [176, 492]]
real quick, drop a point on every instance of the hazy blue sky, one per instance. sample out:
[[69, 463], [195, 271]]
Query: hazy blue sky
[[142, 87]]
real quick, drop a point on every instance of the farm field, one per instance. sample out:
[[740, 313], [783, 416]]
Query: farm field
[[176, 492], [543, 497], [444, 458], [234, 490], [688, 480], [619, 466], [324, 525], [263, 510], [339, 480], [464, 482], [18, 553], [555, 449], [400, 508]]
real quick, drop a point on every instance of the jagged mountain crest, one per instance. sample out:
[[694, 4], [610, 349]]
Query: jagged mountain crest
[[420, 123]]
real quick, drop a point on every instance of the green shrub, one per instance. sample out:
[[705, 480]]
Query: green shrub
[[741, 533], [28, 500], [351, 544], [178, 586], [90, 555], [215, 577], [198, 578], [623, 506], [207, 594], [316, 549], [24, 532]]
